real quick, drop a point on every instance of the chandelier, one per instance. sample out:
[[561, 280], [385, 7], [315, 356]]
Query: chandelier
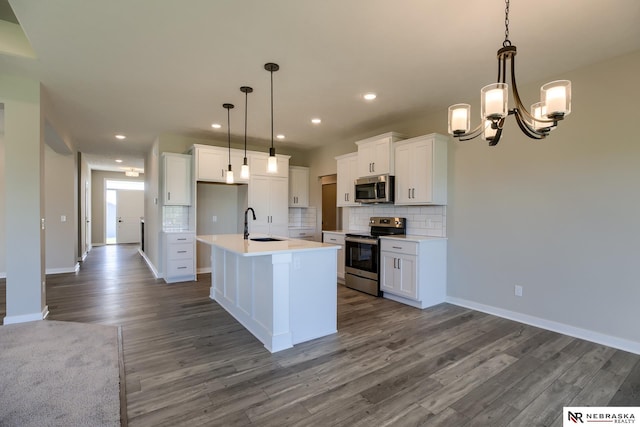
[[554, 105]]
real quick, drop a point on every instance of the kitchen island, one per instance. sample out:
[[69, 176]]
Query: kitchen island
[[284, 292]]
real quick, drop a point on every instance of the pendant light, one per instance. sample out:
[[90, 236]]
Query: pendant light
[[272, 164], [554, 105], [244, 171], [229, 171]]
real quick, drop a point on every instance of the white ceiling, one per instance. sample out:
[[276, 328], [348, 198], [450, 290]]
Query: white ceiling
[[145, 67]]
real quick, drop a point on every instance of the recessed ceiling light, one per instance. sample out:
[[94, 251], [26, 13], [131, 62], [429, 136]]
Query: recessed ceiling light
[[216, 125], [118, 160], [316, 121], [280, 136], [120, 137], [369, 96]]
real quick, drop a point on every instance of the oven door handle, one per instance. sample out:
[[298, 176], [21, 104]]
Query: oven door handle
[[359, 240]]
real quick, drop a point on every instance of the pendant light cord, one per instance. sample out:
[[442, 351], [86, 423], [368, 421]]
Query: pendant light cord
[[229, 132], [246, 100], [271, 71]]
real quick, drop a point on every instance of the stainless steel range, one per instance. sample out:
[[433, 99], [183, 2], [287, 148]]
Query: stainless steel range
[[362, 256]]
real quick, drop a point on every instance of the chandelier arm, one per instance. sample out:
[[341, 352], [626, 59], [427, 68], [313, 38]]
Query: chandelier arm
[[521, 110], [527, 129], [496, 138], [471, 135]]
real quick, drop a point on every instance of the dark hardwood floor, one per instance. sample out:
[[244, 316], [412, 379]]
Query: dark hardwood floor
[[190, 363]]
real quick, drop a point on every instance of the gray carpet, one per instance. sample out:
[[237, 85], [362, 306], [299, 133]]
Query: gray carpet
[[59, 374]]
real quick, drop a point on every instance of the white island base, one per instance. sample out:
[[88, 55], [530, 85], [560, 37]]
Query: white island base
[[283, 292]]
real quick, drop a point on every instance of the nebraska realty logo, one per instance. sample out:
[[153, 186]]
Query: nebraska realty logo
[[600, 414]]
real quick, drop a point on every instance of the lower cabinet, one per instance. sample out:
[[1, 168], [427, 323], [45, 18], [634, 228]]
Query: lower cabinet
[[179, 257], [303, 233], [336, 239], [414, 272]]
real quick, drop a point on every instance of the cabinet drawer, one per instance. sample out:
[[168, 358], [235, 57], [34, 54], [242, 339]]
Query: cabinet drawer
[[179, 267], [180, 238], [180, 251], [337, 239], [410, 248]]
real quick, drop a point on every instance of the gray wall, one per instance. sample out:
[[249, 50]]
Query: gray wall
[[98, 179], [3, 271], [227, 203], [60, 197]]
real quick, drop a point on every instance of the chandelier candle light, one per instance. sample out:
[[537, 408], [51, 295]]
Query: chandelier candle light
[[272, 164], [554, 105], [244, 170], [229, 171]]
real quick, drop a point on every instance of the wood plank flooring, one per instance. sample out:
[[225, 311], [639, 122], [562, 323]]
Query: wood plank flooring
[[190, 363]]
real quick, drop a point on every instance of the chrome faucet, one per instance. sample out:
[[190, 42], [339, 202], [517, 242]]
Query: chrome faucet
[[246, 223]]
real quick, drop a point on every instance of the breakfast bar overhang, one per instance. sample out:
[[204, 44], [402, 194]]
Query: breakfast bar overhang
[[284, 292]]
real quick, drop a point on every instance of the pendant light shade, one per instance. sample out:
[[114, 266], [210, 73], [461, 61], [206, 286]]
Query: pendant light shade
[[272, 163], [244, 170], [229, 171]]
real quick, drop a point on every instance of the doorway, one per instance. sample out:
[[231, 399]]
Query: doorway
[[329, 209], [124, 211]]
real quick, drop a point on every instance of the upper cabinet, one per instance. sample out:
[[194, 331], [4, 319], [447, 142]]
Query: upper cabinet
[[258, 164], [211, 163], [376, 155], [421, 170], [347, 166], [298, 187], [176, 179]]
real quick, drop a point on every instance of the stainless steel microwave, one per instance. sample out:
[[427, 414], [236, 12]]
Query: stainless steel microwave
[[375, 189]]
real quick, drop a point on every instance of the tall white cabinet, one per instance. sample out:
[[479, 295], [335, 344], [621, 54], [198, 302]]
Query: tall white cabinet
[[347, 166], [421, 170], [268, 196], [298, 187]]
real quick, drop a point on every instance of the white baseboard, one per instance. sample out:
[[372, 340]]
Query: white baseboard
[[203, 270], [32, 317], [62, 270], [150, 264], [572, 331]]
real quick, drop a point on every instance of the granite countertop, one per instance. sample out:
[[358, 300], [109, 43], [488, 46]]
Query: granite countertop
[[235, 243]]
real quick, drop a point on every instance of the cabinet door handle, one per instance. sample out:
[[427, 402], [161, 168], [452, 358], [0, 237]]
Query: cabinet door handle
[[169, 195], [221, 173], [409, 191], [399, 263], [413, 193], [373, 167]]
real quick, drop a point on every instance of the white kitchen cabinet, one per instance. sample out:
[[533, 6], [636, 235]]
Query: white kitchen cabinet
[[376, 155], [421, 170], [303, 233], [211, 163], [298, 187], [179, 257], [258, 164], [336, 239], [176, 179], [414, 272], [347, 166], [268, 197]]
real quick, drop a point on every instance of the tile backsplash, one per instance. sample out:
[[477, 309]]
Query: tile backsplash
[[302, 217], [421, 220], [175, 218]]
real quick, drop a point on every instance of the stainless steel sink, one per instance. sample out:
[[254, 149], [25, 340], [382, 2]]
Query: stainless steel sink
[[265, 239]]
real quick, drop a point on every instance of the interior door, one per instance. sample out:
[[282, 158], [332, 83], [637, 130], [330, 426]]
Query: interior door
[[129, 210]]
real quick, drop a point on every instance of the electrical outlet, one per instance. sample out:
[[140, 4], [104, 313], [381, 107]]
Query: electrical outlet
[[214, 218], [518, 290], [63, 218]]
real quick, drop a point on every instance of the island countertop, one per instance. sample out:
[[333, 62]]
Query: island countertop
[[235, 243]]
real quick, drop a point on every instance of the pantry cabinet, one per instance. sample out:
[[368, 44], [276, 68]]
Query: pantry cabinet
[[268, 197], [176, 179], [298, 187], [414, 270], [376, 155], [347, 166], [421, 170]]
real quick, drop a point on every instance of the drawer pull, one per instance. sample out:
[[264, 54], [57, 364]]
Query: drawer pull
[[182, 252], [396, 247], [181, 238], [182, 268]]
